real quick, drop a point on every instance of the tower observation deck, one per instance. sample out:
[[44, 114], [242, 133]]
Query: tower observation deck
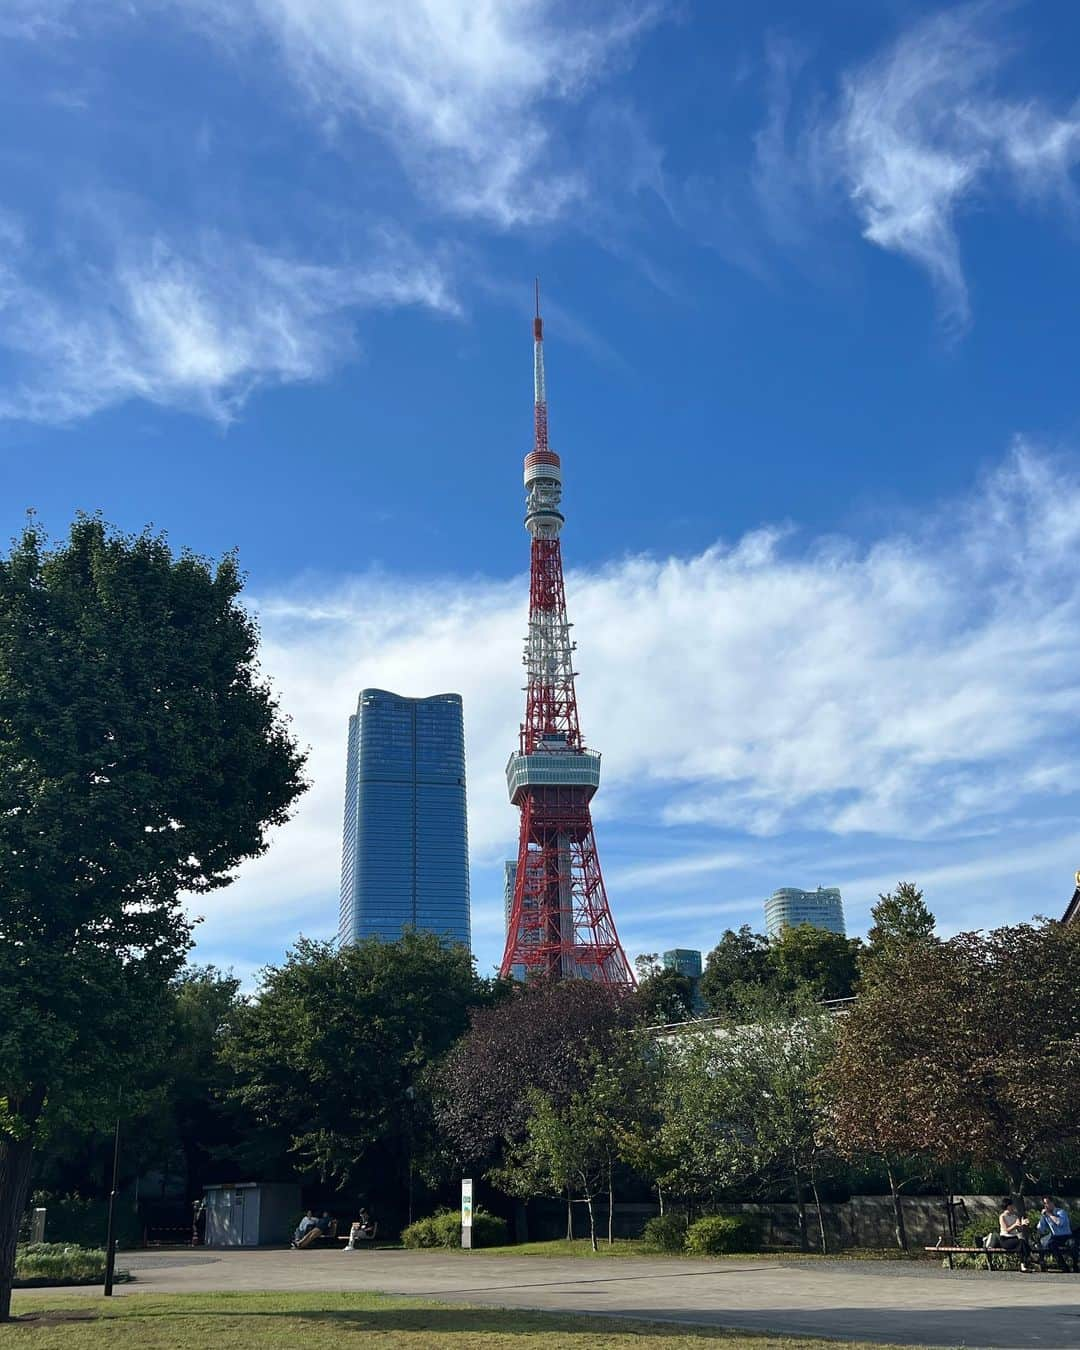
[[560, 923]]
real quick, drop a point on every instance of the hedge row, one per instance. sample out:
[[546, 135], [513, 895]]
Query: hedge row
[[714, 1235]]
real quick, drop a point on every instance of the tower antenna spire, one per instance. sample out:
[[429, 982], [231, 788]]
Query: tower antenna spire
[[560, 925], [540, 416]]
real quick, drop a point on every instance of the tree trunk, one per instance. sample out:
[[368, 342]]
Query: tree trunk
[[610, 1209], [592, 1221], [800, 1202], [899, 1227], [950, 1214], [569, 1216], [15, 1159], [660, 1198], [820, 1213], [1015, 1172]]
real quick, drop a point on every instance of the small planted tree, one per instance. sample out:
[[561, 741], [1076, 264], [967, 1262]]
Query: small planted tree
[[141, 756]]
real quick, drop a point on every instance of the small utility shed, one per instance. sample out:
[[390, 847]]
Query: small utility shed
[[251, 1213]]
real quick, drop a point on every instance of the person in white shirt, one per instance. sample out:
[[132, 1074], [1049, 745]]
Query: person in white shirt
[[1012, 1230]]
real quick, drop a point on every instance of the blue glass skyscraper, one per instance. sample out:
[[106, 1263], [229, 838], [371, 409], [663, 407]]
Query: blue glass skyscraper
[[405, 856]]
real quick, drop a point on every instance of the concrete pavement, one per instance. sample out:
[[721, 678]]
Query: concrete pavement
[[884, 1301]]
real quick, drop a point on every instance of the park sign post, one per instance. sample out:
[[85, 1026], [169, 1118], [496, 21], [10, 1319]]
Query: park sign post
[[466, 1212]]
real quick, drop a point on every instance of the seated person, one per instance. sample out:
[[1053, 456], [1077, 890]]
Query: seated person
[[307, 1224], [1012, 1231], [362, 1230], [1056, 1228], [327, 1225]]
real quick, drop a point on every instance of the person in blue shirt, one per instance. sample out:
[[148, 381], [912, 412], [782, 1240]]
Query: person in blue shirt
[[1056, 1228]]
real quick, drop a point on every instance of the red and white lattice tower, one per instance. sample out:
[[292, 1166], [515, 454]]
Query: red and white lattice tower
[[559, 923]]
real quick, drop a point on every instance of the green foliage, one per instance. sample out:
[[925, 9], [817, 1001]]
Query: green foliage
[[77, 1221], [665, 1233], [920, 1068], [665, 996], [802, 960], [38, 1263], [739, 959], [901, 917], [443, 1229], [141, 756], [718, 1234], [541, 1038], [805, 959], [331, 1054]]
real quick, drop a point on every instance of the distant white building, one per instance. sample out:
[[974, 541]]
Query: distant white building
[[789, 907]]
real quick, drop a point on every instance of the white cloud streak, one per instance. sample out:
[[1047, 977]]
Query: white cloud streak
[[922, 688], [197, 324], [462, 92], [923, 131]]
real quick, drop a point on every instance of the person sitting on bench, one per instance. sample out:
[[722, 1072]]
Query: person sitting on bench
[[1012, 1230], [308, 1225], [362, 1230], [1056, 1227]]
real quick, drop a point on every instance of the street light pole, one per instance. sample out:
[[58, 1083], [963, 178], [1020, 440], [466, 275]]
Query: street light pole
[[110, 1241]]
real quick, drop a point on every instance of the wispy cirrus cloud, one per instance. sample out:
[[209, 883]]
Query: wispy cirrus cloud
[[914, 697], [461, 92], [908, 141], [923, 132], [196, 323]]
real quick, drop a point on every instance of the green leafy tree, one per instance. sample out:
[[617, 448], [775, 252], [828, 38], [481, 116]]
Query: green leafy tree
[[900, 917], [646, 965], [966, 1049], [141, 756], [665, 996], [331, 1053], [774, 1066], [812, 960], [701, 1146], [739, 959], [542, 1038]]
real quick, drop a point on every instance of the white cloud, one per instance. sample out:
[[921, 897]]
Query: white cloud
[[463, 92], [923, 130], [195, 325], [922, 688]]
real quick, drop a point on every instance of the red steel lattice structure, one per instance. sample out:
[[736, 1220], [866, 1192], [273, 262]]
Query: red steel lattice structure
[[559, 924]]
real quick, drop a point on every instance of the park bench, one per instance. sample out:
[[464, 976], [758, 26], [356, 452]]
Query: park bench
[[1069, 1245], [988, 1253]]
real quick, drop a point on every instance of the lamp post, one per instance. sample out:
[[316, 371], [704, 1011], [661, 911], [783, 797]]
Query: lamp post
[[110, 1241]]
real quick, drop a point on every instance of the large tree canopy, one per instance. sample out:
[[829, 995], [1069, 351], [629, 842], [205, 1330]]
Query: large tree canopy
[[331, 1052], [141, 755], [966, 1049], [539, 1039]]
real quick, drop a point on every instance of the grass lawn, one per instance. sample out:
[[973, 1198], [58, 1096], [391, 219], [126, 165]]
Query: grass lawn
[[268, 1321]]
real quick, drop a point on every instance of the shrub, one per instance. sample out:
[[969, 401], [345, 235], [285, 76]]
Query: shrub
[[665, 1233], [74, 1221], [39, 1263], [443, 1229], [718, 1234]]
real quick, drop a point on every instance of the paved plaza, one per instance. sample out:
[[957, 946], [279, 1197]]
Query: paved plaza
[[872, 1300]]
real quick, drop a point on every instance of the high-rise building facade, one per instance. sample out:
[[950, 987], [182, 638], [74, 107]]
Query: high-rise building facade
[[405, 855], [685, 960], [789, 907]]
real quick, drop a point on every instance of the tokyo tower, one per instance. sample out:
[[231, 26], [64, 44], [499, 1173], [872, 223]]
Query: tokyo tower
[[560, 924]]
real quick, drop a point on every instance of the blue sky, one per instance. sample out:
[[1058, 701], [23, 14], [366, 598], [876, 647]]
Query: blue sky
[[810, 275]]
